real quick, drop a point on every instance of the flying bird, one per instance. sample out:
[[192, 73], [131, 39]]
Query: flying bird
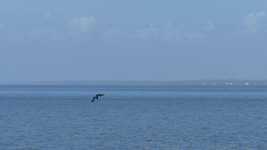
[[97, 97]]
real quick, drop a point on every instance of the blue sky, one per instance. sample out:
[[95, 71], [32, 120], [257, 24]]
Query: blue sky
[[132, 40]]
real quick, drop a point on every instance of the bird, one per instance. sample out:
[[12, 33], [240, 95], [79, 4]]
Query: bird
[[97, 97]]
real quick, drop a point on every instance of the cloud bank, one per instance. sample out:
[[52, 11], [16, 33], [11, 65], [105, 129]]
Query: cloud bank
[[253, 21], [83, 24]]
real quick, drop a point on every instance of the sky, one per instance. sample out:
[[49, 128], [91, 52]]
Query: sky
[[64, 40]]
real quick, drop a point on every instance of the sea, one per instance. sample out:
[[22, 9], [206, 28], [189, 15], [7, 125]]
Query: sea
[[133, 117]]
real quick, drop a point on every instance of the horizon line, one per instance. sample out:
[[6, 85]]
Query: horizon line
[[86, 82]]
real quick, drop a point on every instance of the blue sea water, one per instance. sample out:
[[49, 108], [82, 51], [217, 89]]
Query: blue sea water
[[133, 118]]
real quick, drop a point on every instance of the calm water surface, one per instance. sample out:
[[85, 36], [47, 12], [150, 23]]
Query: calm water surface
[[133, 118]]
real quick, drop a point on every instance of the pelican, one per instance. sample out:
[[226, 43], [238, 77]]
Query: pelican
[[97, 97]]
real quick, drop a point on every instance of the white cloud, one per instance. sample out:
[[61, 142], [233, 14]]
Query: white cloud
[[171, 32], [168, 32], [83, 24], [150, 32], [253, 21]]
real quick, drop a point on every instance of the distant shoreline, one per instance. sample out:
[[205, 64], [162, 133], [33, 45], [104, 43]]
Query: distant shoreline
[[143, 83]]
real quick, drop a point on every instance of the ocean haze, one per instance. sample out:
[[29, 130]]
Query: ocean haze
[[132, 40]]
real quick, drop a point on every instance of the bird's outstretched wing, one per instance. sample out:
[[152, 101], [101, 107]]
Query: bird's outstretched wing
[[93, 99], [96, 97]]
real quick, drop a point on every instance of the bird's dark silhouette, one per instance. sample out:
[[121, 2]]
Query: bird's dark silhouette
[[97, 97]]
